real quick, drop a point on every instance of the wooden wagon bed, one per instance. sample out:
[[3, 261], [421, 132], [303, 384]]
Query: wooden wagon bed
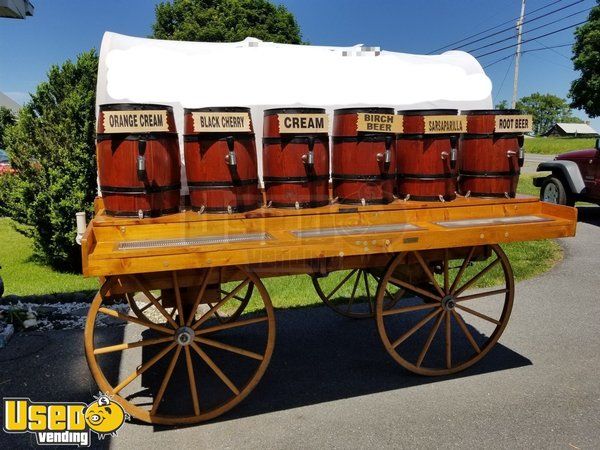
[[189, 240]]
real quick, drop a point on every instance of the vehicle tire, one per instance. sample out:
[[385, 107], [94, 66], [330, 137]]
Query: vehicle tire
[[553, 191]]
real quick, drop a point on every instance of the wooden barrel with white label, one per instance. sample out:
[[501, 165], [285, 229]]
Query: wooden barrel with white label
[[491, 152], [364, 155], [138, 160], [427, 154], [220, 159], [296, 157]]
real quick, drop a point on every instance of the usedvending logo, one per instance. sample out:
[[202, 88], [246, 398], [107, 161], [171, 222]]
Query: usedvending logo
[[65, 423]]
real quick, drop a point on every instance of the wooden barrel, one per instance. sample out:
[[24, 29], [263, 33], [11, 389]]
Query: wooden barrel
[[138, 160], [220, 159], [427, 154], [296, 157], [490, 160], [363, 155]]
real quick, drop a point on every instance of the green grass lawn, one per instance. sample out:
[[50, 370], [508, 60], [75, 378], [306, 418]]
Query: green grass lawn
[[556, 145], [23, 276], [526, 184]]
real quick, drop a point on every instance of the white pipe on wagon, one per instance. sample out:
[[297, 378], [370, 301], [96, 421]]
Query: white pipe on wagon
[[81, 226]]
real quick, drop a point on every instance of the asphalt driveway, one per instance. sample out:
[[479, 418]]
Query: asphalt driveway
[[332, 385]]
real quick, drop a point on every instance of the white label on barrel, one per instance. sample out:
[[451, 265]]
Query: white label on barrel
[[513, 124], [216, 122], [303, 123], [379, 123], [146, 121], [445, 124]]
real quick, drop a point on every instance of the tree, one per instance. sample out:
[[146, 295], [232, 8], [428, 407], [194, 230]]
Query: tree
[[7, 118], [585, 91], [52, 149], [547, 109], [503, 104], [225, 21]]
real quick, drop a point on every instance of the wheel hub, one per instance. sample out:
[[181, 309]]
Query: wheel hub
[[448, 302], [185, 336]]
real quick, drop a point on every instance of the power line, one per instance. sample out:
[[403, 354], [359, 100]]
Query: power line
[[504, 58], [532, 39], [528, 31], [524, 22], [492, 28], [504, 79], [554, 51]]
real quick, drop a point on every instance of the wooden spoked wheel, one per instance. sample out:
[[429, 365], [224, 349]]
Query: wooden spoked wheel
[[143, 308], [352, 293], [187, 369], [455, 322]]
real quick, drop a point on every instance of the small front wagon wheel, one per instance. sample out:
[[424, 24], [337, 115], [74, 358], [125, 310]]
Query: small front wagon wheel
[[185, 368], [455, 322]]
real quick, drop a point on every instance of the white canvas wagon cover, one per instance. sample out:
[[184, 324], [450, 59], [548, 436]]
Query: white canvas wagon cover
[[263, 75]]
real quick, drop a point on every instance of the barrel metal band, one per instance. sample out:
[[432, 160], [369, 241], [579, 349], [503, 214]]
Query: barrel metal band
[[226, 209], [306, 179], [138, 190], [313, 204], [147, 212], [222, 136], [134, 136], [381, 137], [468, 136], [221, 184], [358, 177], [426, 136]]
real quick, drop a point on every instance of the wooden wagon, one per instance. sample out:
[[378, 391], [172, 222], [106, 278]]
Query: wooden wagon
[[190, 286]]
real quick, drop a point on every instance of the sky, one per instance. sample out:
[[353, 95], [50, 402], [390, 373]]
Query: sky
[[61, 29]]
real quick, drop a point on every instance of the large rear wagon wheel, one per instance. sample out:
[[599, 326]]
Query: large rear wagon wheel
[[186, 369], [455, 322], [352, 293]]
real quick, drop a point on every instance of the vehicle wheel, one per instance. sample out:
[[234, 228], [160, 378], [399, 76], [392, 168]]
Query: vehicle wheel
[[351, 293], [553, 191], [143, 308], [186, 369], [434, 332]]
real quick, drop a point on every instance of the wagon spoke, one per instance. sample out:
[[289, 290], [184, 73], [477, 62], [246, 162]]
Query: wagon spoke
[[136, 373], [229, 348], [466, 331], [466, 286], [153, 301], [368, 292], [432, 333], [340, 284], [165, 381], [414, 289], [465, 298], [146, 307], [354, 291], [127, 345], [462, 269], [118, 315], [427, 271], [446, 272], [415, 328], [221, 302], [448, 340], [223, 291], [226, 326], [178, 298], [192, 380], [198, 297], [405, 309], [215, 369], [478, 314]]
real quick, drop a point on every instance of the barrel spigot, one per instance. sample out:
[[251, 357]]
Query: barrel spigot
[[141, 161], [309, 158], [230, 158]]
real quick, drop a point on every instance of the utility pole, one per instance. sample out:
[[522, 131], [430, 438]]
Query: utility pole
[[518, 54]]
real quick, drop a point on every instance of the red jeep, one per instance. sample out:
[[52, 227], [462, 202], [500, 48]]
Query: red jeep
[[575, 177]]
